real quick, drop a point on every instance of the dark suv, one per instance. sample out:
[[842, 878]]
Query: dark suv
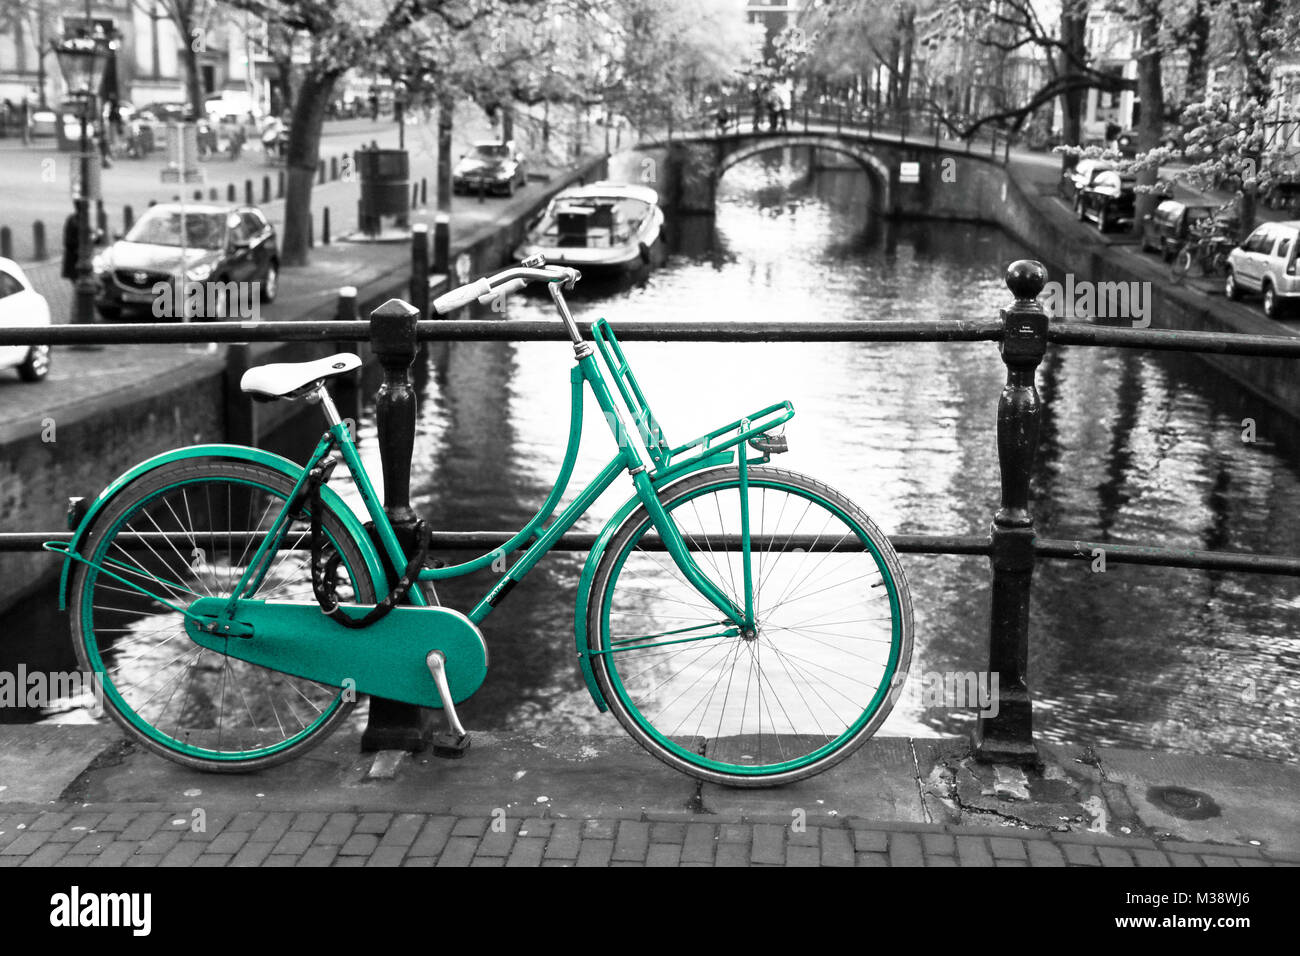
[[1169, 226], [228, 252], [1107, 198]]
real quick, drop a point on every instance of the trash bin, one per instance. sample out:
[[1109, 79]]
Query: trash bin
[[385, 176]]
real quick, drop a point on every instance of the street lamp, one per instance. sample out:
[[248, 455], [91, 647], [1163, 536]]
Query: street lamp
[[82, 60]]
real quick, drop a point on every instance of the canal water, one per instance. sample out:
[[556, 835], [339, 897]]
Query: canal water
[[1135, 448]]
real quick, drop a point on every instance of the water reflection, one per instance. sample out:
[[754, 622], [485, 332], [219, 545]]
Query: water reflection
[[1132, 450]]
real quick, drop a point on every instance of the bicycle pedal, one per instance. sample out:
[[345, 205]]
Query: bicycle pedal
[[450, 746]]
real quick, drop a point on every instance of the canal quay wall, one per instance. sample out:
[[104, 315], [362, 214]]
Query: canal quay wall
[[1019, 198], [57, 448], [980, 189]]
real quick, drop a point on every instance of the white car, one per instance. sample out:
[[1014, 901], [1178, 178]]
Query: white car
[[22, 306]]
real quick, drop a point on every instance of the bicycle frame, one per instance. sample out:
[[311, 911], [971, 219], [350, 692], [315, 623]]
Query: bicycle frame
[[712, 450]]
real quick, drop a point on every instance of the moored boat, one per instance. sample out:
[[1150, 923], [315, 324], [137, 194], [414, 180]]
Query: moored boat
[[599, 226]]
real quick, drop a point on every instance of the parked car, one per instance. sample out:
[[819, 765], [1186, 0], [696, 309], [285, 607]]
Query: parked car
[[1168, 226], [496, 167], [22, 305], [1266, 263], [1072, 180], [1107, 198], [223, 244], [44, 123]]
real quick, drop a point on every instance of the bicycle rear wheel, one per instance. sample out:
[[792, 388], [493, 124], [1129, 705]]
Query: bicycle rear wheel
[[201, 707], [833, 636]]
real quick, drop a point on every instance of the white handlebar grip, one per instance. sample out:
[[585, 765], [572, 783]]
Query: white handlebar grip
[[501, 291], [461, 296]]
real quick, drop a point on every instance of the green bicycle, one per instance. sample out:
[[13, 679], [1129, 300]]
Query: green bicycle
[[745, 624]]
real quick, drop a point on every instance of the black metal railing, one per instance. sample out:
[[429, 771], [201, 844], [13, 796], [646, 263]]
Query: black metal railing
[[1023, 332], [917, 123]]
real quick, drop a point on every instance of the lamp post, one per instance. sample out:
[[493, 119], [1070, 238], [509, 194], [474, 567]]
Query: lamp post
[[82, 60], [399, 111]]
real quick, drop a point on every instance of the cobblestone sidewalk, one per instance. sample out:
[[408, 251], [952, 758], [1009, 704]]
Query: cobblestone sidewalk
[[77, 836]]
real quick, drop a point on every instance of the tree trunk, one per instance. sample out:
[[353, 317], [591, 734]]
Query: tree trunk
[[303, 155], [1195, 37], [194, 92], [1151, 95], [908, 25], [1074, 19]]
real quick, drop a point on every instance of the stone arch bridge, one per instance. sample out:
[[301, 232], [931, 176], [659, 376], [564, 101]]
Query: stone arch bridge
[[908, 177]]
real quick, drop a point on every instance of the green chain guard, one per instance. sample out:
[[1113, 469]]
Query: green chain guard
[[386, 659]]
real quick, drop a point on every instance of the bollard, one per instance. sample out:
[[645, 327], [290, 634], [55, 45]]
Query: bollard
[[101, 220], [392, 725], [424, 192], [325, 226], [6, 243], [415, 195], [311, 231], [1008, 737], [213, 194], [279, 184], [128, 219], [442, 244], [230, 192], [347, 388], [248, 192], [266, 189], [198, 195], [320, 173], [419, 289]]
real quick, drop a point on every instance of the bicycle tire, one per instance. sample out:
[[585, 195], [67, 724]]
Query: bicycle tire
[[1180, 266], [638, 682], [274, 716]]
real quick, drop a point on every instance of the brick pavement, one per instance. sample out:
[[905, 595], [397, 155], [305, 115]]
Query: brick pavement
[[76, 835]]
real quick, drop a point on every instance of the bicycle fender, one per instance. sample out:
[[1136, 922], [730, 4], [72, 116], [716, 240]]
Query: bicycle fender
[[279, 463], [589, 573]]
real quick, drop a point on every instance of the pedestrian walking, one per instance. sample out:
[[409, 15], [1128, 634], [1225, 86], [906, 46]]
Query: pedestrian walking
[[723, 118]]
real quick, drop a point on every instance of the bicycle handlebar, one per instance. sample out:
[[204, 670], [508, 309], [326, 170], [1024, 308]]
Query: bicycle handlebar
[[489, 288]]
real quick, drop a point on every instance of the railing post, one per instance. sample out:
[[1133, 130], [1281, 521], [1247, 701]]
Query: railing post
[[419, 290], [347, 388], [1008, 736], [240, 412], [393, 725], [441, 243]]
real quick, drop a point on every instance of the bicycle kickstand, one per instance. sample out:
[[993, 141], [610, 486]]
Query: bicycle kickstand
[[455, 742]]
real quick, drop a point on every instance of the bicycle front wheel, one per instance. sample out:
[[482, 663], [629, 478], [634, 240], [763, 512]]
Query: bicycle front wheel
[[203, 520], [833, 630]]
